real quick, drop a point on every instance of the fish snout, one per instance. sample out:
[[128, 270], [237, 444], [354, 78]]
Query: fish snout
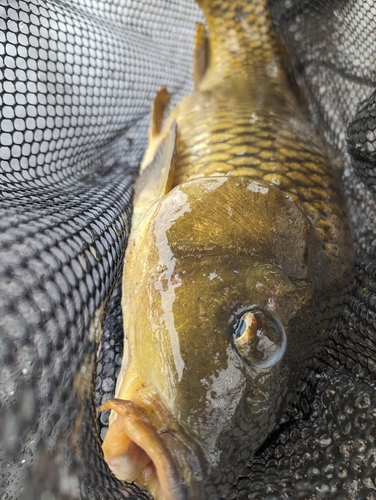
[[140, 446]]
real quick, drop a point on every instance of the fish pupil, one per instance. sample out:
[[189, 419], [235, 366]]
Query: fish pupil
[[240, 328]]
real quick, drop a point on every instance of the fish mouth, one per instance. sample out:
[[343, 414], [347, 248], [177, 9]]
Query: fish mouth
[[135, 452]]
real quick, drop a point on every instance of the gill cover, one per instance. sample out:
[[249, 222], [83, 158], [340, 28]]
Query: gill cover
[[195, 218]]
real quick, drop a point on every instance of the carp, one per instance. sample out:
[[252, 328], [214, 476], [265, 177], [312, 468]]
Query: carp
[[237, 265]]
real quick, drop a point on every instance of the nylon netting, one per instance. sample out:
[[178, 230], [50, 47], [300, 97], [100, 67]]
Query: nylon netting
[[77, 80]]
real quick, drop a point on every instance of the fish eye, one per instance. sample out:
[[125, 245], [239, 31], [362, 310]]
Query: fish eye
[[260, 337]]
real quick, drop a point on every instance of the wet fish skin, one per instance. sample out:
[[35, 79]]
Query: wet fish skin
[[255, 223]]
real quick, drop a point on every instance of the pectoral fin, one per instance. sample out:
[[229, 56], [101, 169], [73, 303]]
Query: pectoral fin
[[201, 54], [160, 103], [156, 179]]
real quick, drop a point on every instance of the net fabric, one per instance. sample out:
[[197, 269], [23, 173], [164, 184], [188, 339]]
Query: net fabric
[[77, 80], [362, 141], [303, 461], [75, 77]]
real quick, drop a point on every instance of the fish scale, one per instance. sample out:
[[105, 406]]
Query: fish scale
[[262, 152]]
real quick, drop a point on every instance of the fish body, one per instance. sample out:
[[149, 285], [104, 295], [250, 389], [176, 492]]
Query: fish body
[[238, 261]]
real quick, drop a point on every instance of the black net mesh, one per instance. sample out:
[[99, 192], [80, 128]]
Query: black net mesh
[[77, 80]]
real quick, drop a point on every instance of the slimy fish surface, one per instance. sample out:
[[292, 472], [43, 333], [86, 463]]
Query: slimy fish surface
[[238, 261]]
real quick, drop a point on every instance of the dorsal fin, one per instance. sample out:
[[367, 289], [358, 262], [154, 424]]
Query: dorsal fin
[[156, 179], [160, 103], [201, 54]]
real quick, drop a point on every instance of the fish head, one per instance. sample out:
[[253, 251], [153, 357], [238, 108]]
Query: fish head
[[219, 287]]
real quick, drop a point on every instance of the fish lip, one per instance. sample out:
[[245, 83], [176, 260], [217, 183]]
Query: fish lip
[[145, 455]]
